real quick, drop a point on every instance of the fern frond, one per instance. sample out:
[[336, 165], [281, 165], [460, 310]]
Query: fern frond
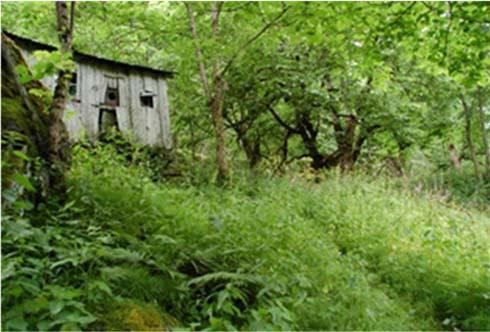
[[225, 276]]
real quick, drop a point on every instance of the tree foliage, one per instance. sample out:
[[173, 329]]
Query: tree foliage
[[376, 114], [334, 82]]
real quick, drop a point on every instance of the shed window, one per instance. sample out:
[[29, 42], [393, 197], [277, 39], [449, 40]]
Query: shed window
[[146, 99], [112, 96], [72, 86]]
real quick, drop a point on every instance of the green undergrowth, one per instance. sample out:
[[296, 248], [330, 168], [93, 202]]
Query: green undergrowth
[[349, 253], [461, 186]]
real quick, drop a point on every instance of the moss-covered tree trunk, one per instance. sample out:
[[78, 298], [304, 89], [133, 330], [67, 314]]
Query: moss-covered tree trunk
[[24, 127], [59, 151]]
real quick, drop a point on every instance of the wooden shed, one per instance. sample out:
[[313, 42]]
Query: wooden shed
[[106, 93]]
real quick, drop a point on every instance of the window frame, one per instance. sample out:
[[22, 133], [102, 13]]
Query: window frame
[[73, 83], [147, 99]]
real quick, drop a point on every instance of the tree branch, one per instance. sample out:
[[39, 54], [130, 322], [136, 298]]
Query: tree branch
[[215, 12], [252, 39], [469, 139], [400, 15], [199, 54], [72, 17], [281, 122], [448, 29]]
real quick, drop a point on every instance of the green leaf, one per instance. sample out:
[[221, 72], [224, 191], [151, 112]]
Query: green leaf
[[9, 195], [56, 306], [84, 320], [30, 285], [43, 325], [17, 324], [70, 327], [23, 181], [23, 205], [61, 293], [21, 155], [36, 305], [68, 260], [68, 206], [24, 75], [16, 291], [101, 286]]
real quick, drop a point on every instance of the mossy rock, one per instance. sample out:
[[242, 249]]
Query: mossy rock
[[129, 315]]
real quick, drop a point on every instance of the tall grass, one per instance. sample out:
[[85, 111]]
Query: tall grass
[[349, 253]]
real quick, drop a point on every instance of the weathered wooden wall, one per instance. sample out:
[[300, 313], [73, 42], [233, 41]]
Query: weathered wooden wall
[[149, 126]]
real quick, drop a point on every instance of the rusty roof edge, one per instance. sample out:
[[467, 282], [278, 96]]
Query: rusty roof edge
[[81, 56]]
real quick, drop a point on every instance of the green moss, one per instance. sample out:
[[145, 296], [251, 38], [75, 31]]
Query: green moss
[[129, 315], [14, 116], [24, 122]]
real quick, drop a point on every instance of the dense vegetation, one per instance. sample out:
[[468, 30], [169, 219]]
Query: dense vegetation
[[350, 253], [331, 171]]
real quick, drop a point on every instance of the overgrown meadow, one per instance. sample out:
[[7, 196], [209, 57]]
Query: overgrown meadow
[[347, 252]]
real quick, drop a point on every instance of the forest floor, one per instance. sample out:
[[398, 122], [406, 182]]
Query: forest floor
[[350, 253]]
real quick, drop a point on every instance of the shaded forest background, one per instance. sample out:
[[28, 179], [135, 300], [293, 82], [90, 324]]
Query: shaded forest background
[[302, 83], [330, 170]]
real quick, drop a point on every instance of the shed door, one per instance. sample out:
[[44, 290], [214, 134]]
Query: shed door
[[107, 120]]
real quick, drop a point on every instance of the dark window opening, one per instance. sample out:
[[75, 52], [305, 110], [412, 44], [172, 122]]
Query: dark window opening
[[107, 121], [72, 86], [112, 96], [146, 101]]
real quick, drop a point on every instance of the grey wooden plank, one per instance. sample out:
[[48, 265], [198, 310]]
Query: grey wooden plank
[[153, 120], [165, 115], [138, 112]]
